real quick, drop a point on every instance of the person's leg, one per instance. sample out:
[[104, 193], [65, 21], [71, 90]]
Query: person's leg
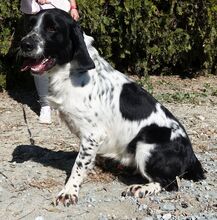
[[41, 84]]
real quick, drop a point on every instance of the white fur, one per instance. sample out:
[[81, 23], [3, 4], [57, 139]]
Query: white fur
[[92, 103], [111, 132]]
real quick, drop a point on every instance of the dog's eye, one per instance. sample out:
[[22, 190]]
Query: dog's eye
[[51, 29]]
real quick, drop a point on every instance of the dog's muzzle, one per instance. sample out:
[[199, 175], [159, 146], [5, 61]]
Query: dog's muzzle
[[32, 50]]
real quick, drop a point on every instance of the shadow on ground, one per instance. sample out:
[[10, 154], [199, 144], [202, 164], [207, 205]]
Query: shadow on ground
[[26, 98], [65, 160], [57, 159]]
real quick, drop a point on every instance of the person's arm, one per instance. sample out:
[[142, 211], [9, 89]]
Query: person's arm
[[73, 10]]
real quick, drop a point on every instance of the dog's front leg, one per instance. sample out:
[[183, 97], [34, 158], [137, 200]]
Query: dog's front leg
[[83, 163]]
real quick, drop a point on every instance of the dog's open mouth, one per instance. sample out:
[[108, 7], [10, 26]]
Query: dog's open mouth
[[38, 66]]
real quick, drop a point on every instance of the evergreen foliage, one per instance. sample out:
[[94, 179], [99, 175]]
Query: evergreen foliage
[[140, 36]]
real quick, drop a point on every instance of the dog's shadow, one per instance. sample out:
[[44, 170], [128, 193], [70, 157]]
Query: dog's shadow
[[29, 98], [65, 160], [57, 159]]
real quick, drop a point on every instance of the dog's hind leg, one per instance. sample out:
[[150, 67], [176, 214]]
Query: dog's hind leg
[[163, 163], [142, 154]]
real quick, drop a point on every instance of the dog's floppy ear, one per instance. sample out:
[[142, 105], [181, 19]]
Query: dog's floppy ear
[[81, 61]]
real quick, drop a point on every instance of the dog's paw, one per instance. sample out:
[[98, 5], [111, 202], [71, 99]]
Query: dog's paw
[[66, 199], [140, 191]]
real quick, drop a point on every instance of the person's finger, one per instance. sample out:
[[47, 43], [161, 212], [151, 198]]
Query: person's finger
[[75, 14]]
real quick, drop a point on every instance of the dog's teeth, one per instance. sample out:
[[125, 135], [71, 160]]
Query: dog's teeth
[[44, 61]]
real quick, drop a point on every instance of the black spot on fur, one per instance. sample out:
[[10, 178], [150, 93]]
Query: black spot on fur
[[90, 97], [79, 164], [82, 84], [111, 97], [87, 163], [137, 187], [85, 154], [152, 134], [171, 159], [135, 102], [88, 120]]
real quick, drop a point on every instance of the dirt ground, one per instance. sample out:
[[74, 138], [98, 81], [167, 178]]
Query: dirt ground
[[35, 161]]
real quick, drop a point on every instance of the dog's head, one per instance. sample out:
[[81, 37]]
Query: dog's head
[[54, 38]]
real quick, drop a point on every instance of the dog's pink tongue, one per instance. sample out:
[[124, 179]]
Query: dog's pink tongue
[[36, 66]]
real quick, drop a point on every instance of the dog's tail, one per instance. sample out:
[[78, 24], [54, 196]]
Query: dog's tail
[[195, 170]]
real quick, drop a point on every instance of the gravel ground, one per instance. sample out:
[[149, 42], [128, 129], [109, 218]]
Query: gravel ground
[[36, 160]]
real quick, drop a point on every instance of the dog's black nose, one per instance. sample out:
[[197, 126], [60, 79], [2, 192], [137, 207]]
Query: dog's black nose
[[27, 45]]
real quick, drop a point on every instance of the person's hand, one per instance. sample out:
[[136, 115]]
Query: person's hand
[[42, 2], [74, 13]]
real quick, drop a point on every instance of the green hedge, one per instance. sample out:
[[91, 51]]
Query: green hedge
[[154, 36], [141, 36], [9, 15]]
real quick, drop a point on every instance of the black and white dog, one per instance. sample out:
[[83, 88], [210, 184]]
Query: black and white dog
[[111, 114]]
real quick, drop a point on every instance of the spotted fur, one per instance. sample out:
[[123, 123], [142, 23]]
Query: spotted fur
[[111, 114]]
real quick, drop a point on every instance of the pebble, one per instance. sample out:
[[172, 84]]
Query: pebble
[[168, 207], [122, 198], [155, 199], [102, 217], [184, 205], [167, 216], [148, 218], [106, 199], [39, 218], [200, 117], [142, 207], [90, 199]]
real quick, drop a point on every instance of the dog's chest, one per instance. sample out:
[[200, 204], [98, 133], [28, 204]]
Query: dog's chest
[[80, 102]]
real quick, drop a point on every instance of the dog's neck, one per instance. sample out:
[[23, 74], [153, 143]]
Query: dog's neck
[[63, 80], [59, 74]]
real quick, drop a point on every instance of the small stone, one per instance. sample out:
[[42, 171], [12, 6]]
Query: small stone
[[106, 199], [122, 199], [142, 207], [148, 218], [184, 205], [200, 117], [167, 216], [150, 211], [168, 207], [39, 218], [102, 217], [158, 217], [90, 199]]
